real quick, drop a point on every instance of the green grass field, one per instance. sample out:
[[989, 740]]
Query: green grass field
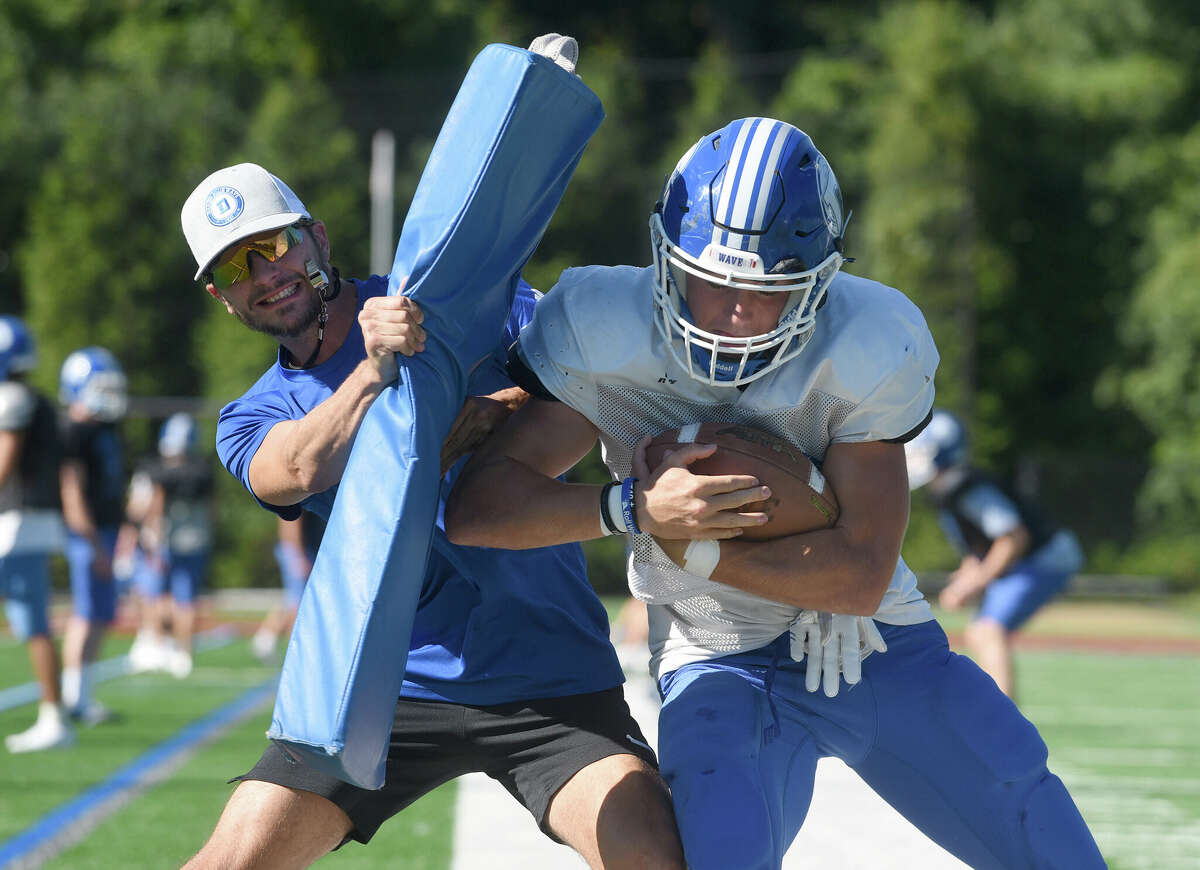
[[1123, 731]]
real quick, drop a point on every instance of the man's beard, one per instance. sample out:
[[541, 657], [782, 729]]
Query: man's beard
[[299, 325]]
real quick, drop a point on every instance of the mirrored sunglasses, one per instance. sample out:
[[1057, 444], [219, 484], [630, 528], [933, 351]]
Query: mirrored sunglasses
[[234, 265]]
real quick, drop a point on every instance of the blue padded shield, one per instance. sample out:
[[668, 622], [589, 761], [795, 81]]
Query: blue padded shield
[[499, 167]]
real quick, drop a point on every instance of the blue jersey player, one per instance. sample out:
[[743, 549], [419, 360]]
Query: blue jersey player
[[745, 318], [509, 669], [1014, 559]]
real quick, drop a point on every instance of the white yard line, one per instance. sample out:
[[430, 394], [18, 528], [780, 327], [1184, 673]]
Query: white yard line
[[110, 669], [493, 831]]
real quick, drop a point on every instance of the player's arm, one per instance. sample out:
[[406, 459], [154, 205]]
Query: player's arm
[[507, 495], [17, 406], [76, 514], [154, 521], [478, 418], [10, 452], [974, 575], [843, 569], [1005, 551], [308, 455]]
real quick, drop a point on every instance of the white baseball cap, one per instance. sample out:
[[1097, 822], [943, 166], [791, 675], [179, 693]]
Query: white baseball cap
[[236, 203]]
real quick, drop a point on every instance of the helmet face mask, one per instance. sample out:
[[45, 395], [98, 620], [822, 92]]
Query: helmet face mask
[[752, 207], [92, 378]]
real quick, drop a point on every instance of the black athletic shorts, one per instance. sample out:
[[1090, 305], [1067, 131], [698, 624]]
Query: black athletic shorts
[[531, 747]]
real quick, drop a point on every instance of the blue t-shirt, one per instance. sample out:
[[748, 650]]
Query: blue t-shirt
[[492, 626]]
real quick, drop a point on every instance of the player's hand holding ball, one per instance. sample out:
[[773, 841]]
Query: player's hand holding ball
[[718, 481], [677, 500]]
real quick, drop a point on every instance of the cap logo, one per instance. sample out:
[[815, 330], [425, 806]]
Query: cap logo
[[223, 206]]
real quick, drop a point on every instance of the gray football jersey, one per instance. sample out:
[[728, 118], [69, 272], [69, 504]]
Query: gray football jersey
[[866, 375]]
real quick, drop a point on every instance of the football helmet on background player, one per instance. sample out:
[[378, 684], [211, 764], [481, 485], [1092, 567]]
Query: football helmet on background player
[[177, 436], [753, 206], [18, 353], [940, 446], [92, 377]]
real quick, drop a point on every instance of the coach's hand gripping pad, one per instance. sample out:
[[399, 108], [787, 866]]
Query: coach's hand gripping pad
[[497, 172]]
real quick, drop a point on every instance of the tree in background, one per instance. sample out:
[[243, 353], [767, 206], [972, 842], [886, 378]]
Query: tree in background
[[1026, 170]]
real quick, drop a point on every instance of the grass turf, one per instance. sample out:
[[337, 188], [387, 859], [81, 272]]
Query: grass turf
[[1121, 730]]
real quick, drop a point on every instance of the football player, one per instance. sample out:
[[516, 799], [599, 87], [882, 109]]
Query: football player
[[176, 530], [31, 529], [745, 316], [1012, 554], [93, 391]]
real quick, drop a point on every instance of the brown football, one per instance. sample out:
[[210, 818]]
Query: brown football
[[801, 499]]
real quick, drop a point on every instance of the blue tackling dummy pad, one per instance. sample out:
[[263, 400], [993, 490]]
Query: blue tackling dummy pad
[[497, 172]]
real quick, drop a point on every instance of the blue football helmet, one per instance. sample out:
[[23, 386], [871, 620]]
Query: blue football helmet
[[942, 445], [753, 206], [18, 353], [92, 377], [177, 436]]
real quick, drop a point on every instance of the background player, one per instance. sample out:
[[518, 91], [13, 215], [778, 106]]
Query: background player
[[753, 323], [138, 566], [92, 388], [1012, 554], [510, 670], [294, 553], [175, 533], [30, 529]]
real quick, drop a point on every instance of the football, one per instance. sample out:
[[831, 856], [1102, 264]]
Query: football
[[801, 500]]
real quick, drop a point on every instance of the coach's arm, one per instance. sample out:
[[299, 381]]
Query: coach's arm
[[308, 455]]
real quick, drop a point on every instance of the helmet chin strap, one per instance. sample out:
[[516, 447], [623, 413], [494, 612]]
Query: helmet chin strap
[[327, 293]]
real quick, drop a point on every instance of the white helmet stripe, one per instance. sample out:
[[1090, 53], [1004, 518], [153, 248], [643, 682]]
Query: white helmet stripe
[[752, 168], [779, 136], [749, 165], [724, 210]]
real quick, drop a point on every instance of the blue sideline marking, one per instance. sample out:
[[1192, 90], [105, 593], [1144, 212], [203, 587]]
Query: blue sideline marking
[[131, 777]]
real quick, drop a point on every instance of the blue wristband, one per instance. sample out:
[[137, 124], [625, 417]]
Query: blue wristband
[[627, 510]]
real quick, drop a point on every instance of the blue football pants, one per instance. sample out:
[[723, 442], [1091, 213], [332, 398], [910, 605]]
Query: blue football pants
[[739, 740]]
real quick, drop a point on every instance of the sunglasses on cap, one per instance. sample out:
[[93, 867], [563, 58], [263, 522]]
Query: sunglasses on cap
[[234, 265]]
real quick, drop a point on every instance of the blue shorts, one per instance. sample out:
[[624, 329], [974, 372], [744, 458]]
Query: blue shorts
[[293, 578], [25, 586], [148, 576], [186, 576], [92, 598], [1010, 600], [739, 740]]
